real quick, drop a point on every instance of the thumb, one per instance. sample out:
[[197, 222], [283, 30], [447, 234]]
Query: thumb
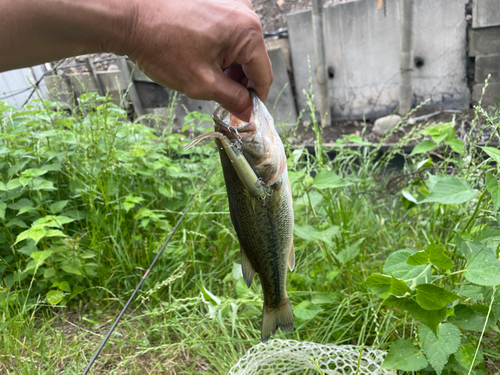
[[233, 97]]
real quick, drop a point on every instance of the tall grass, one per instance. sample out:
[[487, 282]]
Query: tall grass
[[88, 196]]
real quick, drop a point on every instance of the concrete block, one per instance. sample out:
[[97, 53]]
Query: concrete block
[[485, 65], [485, 13], [484, 41], [300, 33], [59, 89], [491, 95], [280, 101], [82, 83], [137, 74], [385, 124], [362, 51]]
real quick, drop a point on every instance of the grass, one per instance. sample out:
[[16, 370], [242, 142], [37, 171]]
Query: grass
[[106, 193]]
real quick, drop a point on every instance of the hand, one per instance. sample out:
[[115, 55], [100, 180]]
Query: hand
[[207, 49]]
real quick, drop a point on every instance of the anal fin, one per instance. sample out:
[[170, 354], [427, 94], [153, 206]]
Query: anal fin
[[291, 258], [246, 268]]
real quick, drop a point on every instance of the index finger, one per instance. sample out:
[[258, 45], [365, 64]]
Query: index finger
[[256, 65]]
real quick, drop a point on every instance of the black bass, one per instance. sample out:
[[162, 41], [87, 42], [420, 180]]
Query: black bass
[[260, 203]]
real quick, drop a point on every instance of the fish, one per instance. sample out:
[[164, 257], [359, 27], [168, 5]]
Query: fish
[[260, 204]]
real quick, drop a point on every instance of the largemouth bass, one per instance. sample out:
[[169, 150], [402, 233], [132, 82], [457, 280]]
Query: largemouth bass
[[260, 203]]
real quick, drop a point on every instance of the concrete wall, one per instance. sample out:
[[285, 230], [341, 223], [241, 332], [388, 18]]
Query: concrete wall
[[362, 51]]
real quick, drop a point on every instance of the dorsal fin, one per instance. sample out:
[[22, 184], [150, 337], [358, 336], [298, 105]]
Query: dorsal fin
[[246, 268], [291, 258]]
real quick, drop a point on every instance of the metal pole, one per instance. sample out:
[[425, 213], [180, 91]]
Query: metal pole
[[319, 54], [406, 57]]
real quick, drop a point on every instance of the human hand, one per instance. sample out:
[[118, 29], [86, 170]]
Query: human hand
[[211, 50]]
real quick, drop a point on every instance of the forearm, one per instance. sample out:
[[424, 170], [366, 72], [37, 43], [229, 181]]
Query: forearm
[[34, 31]]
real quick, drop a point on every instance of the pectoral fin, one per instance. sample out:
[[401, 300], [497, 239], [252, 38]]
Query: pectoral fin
[[291, 259], [246, 267]]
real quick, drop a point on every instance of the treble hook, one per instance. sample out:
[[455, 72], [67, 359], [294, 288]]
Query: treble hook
[[235, 129]]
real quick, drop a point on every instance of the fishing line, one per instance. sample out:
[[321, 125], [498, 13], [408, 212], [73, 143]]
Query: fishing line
[[143, 276]]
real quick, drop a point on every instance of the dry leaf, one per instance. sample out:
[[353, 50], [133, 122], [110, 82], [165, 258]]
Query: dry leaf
[[280, 3]]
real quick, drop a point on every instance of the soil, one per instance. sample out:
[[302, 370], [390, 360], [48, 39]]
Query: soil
[[463, 121]]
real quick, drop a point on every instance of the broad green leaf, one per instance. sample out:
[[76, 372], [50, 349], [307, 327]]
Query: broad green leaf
[[469, 249], [424, 163], [349, 252], [54, 297], [40, 256], [438, 348], [429, 318], [35, 233], [169, 193], [465, 356], [49, 272], [329, 180], [409, 196], [53, 221], [13, 184], [396, 265], [403, 355], [52, 167], [309, 233], [29, 248], [433, 297], [57, 207], [432, 254], [41, 184], [3, 207], [378, 284], [399, 287], [483, 269], [3, 187], [456, 145], [237, 272], [33, 172], [440, 133], [466, 318], [473, 292], [241, 288], [16, 222], [306, 310], [71, 267], [64, 286], [423, 147], [209, 297], [25, 209], [356, 139], [449, 190], [493, 153], [493, 187]]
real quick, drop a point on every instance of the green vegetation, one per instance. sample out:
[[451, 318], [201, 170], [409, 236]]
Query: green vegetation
[[404, 260]]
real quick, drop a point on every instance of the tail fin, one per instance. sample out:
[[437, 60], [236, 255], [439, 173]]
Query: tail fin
[[274, 318]]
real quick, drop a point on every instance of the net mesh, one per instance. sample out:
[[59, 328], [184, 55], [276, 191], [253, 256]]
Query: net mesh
[[296, 357]]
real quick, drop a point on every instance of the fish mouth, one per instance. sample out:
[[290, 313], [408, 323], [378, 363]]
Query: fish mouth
[[261, 144], [233, 127]]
